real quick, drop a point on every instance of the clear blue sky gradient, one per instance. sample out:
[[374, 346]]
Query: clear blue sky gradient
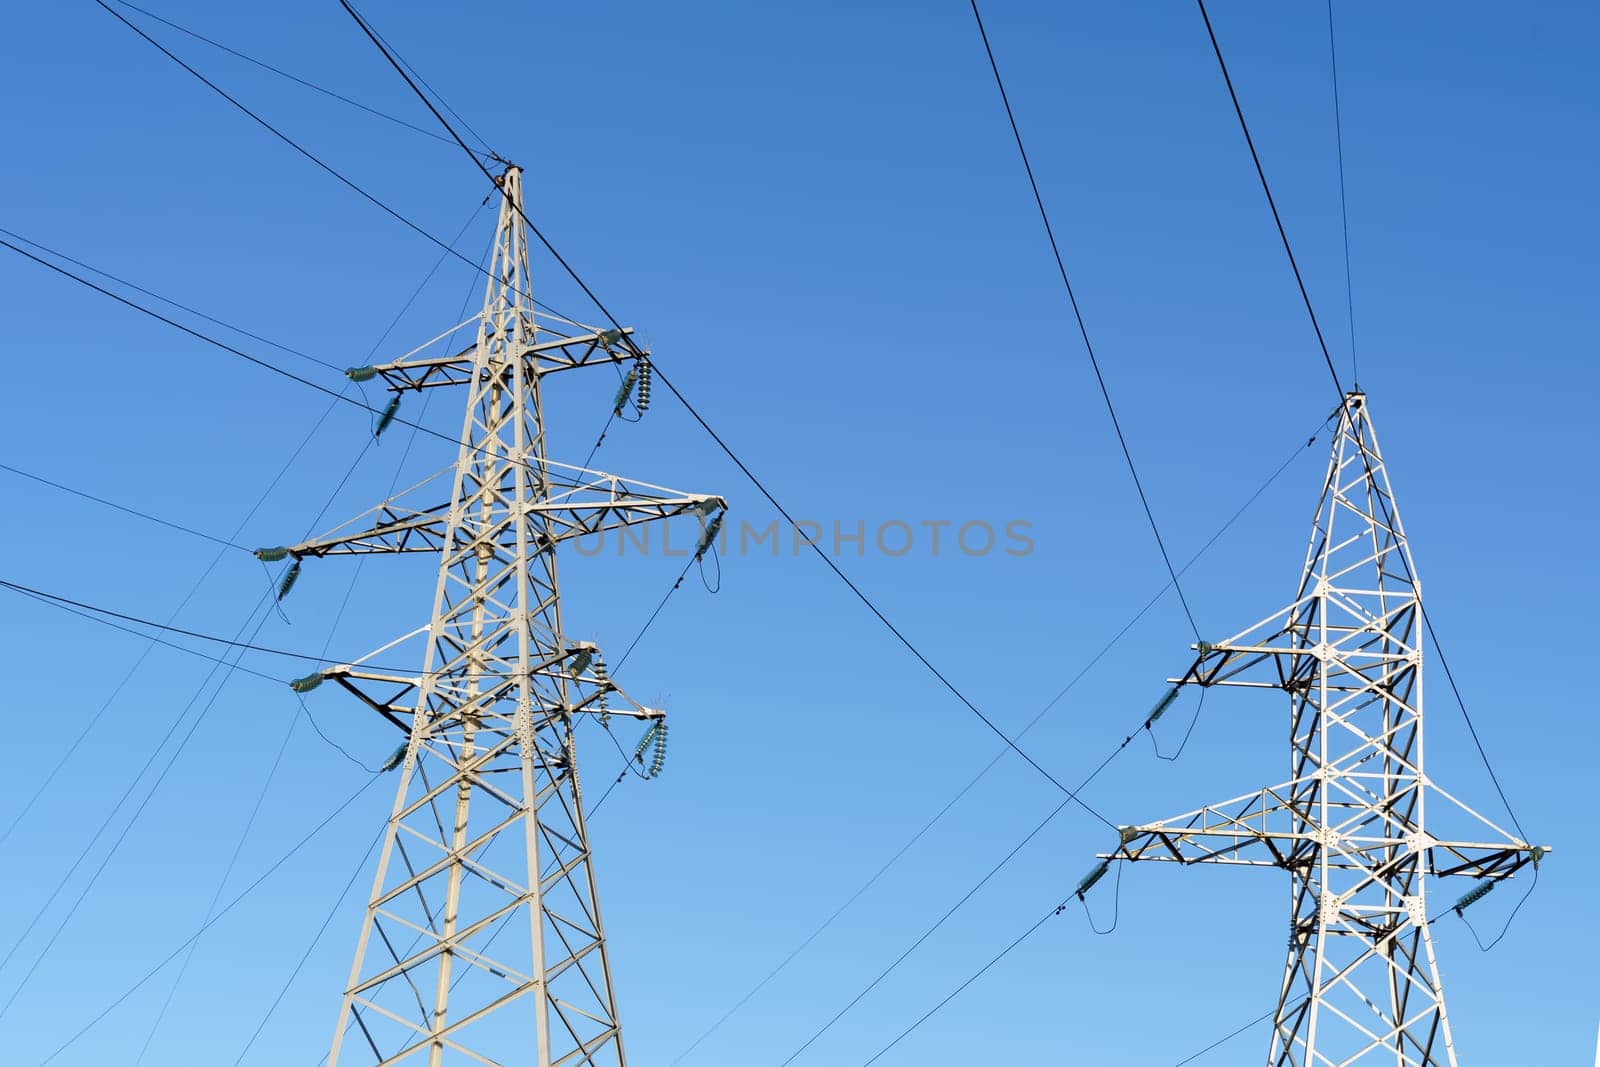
[[815, 215]]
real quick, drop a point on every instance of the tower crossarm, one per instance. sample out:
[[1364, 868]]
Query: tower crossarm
[[1360, 827], [590, 691], [1280, 827], [595, 508], [588, 348]]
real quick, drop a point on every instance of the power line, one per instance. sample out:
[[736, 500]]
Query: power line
[[488, 151], [745, 470], [302, 150], [245, 646], [53, 602], [240, 648], [283, 73], [660, 376], [401, 69], [315, 940], [959, 904], [1333, 372], [337, 395], [221, 912], [981, 971], [170, 302], [224, 346], [1245, 1029], [1283, 234], [222, 884], [973, 782], [1015, 943], [122, 835], [151, 641], [1083, 329], [627, 764], [258, 361], [125, 509], [1344, 210]]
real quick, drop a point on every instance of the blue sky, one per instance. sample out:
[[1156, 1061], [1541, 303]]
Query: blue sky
[[815, 216]]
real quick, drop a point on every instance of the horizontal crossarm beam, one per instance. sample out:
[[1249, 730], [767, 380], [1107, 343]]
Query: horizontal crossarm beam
[[424, 531], [592, 348]]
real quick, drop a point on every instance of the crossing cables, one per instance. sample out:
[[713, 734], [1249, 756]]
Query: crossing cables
[[1083, 329], [744, 469], [1327, 357]]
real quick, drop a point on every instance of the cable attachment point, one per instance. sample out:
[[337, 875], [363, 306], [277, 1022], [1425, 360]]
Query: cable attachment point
[[307, 684], [1088, 881], [657, 736], [290, 576], [708, 536], [389, 412], [643, 403], [604, 681], [361, 374], [1472, 896], [271, 555], [1161, 707], [624, 391]]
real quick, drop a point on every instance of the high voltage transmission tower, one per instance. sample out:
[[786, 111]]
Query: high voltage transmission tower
[[1361, 984], [470, 953]]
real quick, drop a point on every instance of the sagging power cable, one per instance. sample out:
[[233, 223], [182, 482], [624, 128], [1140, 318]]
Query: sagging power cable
[[297, 79], [1083, 329], [744, 469], [1333, 373]]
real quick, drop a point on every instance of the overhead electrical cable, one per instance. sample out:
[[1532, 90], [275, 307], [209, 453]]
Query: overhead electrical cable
[[979, 973], [1344, 207], [659, 376], [64, 605], [337, 395], [999, 755], [379, 39], [1015, 943], [283, 744], [175, 324], [160, 776], [170, 302], [218, 917], [75, 747], [1272, 203], [962, 902], [1333, 373], [231, 643], [222, 885], [307, 83], [316, 939], [1083, 329], [239, 648], [124, 508], [299, 148]]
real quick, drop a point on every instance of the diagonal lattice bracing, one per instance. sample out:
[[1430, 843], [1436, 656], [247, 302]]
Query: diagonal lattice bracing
[[1360, 985], [482, 941]]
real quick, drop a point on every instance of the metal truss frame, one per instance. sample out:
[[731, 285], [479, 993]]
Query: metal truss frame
[[463, 958], [1361, 984]]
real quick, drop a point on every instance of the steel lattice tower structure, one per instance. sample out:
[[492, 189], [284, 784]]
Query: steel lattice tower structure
[[482, 941], [1361, 983]]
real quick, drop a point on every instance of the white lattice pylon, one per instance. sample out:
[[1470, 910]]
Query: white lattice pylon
[[482, 941], [1361, 984]]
